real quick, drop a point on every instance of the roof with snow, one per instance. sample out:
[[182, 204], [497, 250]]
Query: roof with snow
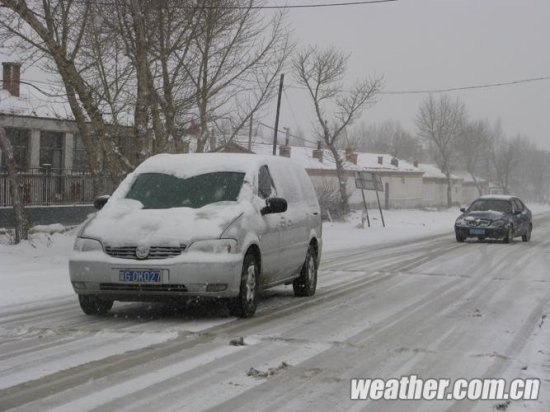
[[33, 104], [304, 156]]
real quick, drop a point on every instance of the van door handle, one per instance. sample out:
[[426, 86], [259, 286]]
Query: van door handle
[[289, 222], [283, 221]]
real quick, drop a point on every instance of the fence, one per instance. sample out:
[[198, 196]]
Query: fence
[[46, 186]]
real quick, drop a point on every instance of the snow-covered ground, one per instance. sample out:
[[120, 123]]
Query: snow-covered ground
[[421, 304]]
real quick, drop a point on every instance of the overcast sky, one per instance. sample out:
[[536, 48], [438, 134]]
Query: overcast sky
[[437, 44]]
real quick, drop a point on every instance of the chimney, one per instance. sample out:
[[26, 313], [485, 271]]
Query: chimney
[[318, 153], [380, 160], [415, 163], [284, 151], [12, 78], [351, 156], [394, 161]]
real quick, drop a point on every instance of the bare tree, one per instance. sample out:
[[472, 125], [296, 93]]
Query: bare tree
[[55, 30], [321, 72], [236, 58], [441, 122], [506, 158], [386, 137], [473, 146], [21, 222]]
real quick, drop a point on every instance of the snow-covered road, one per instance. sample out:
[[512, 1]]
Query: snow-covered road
[[430, 307]]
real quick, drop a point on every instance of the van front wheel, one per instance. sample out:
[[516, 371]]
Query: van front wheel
[[92, 305], [306, 284], [244, 306]]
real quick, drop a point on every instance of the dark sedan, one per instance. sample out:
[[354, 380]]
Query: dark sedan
[[495, 217]]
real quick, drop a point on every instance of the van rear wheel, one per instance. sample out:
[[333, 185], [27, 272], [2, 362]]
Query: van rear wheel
[[244, 306], [306, 284]]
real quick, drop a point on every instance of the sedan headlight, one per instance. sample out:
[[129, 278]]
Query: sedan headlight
[[214, 246], [460, 221], [84, 244], [498, 223]]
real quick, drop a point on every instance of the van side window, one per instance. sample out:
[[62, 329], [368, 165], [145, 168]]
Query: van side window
[[266, 188]]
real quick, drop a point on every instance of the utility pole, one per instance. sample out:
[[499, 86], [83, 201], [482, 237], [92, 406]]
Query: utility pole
[[277, 115], [250, 133]]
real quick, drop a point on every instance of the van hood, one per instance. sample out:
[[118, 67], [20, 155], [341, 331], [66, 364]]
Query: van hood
[[124, 222]]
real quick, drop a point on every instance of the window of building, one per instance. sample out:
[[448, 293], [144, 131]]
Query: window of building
[[80, 160], [51, 149], [19, 139]]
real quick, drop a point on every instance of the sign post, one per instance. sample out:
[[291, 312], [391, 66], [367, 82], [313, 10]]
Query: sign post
[[370, 181]]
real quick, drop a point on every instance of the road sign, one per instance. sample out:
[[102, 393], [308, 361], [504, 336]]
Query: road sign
[[368, 181]]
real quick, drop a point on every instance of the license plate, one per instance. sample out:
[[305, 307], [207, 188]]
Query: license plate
[[477, 231], [140, 276]]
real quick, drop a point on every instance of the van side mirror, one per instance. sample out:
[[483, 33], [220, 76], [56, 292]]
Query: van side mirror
[[100, 201], [463, 209], [274, 205]]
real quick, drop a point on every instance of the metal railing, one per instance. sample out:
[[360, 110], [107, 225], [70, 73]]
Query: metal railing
[[47, 186]]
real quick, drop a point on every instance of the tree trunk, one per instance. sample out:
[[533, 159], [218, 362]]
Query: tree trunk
[[449, 191], [21, 222], [341, 174]]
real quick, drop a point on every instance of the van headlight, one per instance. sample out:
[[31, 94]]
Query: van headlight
[[84, 244], [214, 246]]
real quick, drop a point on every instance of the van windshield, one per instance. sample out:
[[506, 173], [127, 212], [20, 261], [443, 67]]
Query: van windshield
[[163, 191]]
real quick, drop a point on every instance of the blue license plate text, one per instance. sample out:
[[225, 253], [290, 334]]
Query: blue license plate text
[[150, 276]]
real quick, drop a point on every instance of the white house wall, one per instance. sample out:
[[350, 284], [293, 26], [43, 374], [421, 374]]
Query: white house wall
[[405, 192]]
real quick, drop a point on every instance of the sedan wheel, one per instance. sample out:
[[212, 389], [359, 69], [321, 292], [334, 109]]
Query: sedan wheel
[[527, 236], [510, 235]]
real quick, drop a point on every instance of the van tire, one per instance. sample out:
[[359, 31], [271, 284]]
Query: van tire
[[92, 305], [244, 306], [306, 283]]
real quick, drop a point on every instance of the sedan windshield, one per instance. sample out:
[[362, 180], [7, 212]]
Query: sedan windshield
[[162, 191], [496, 205]]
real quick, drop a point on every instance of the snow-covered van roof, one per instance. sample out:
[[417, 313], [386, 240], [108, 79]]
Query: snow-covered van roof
[[191, 164]]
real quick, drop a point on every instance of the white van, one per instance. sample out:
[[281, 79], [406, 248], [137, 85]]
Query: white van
[[212, 225]]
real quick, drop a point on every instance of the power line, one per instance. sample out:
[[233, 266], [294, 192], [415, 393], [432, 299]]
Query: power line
[[446, 90], [264, 7], [290, 134], [303, 6], [477, 86]]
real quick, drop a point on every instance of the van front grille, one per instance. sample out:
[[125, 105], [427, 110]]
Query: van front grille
[[155, 252]]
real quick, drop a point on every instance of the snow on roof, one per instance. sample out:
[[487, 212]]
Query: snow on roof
[[304, 156], [191, 164], [432, 171], [33, 103], [500, 197], [369, 161], [467, 177]]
